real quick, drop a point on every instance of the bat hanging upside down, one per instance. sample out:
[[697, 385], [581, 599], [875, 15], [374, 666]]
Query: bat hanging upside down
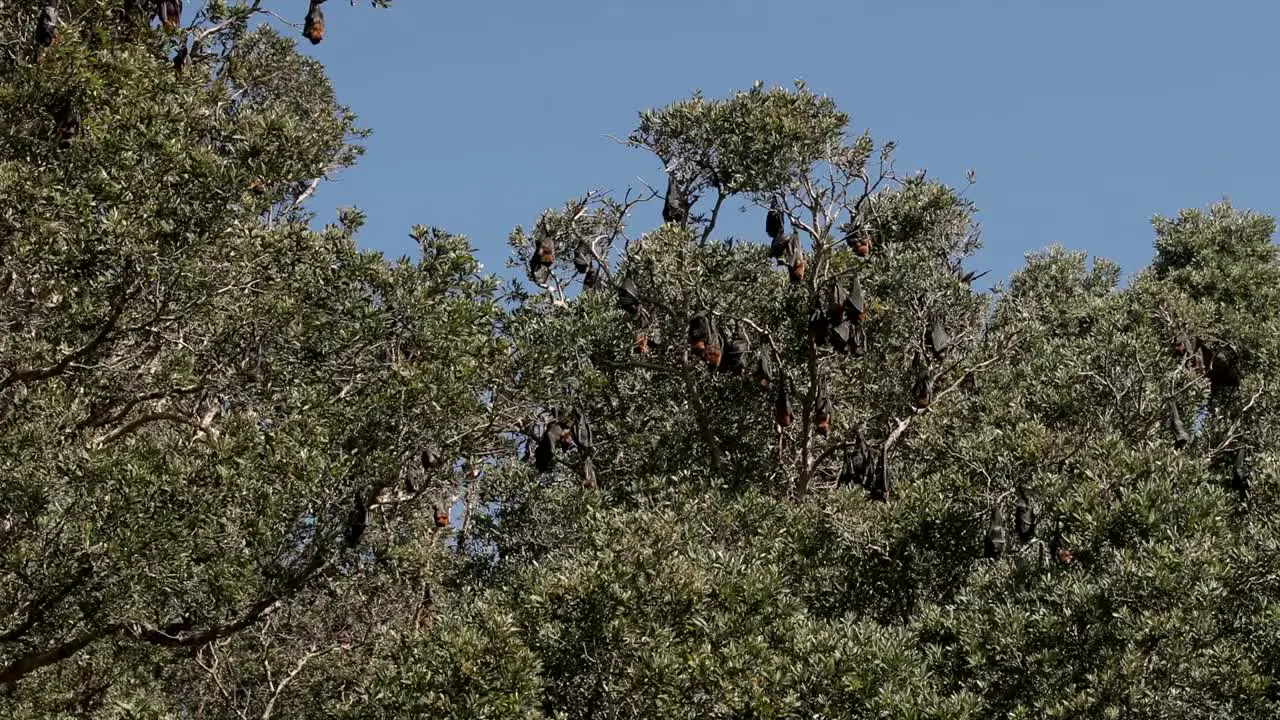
[[313, 24]]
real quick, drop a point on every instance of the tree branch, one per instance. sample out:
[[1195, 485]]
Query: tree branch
[[107, 326], [146, 419], [715, 215], [700, 415], [28, 664], [284, 682], [37, 609]]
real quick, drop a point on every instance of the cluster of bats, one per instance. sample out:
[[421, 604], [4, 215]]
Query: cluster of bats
[[358, 516], [1218, 363], [1025, 521], [544, 254], [565, 433], [169, 13], [838, 321]]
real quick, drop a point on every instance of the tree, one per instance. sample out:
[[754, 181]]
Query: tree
[[227, 437], [196, 388], [724, 568]]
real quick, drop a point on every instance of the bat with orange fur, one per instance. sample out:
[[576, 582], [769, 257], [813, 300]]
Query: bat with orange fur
[[699, 333], [824, 413], [796, 268], [764, 369], [714, 349], [170, 13], [313, 25], [860, 241]]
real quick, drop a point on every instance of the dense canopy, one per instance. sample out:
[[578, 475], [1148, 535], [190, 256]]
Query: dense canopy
[[248, 469]]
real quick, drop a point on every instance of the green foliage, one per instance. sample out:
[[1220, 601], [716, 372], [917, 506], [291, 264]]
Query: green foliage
[[197, 388]]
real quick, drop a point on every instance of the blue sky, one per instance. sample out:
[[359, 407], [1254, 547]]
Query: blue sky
[[1081, 119]]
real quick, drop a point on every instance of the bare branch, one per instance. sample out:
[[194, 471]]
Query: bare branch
[[284, 682], [715, 215], [147, 419]]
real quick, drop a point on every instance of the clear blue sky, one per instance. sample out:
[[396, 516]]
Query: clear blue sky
[[1081, 119]]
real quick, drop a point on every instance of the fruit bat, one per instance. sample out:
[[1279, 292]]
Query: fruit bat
[[544, 455], [837, 299], [1220, 368], [589, 474], [969, 277], [582, 432], [937, 339], [629, 297], [853, 469], [676, 207], [1240, 480], [699, 332], [641, 345], [841, 336], [773, 220], [855, 304], [441, 514], [430, 459], [794, 259], [581, 261], [1180, 436], [858, 341], [565, 441], [826, 410], [591, 279], [922, 391], [426, 609], [170, 13], [735, 354], [881, 485], [68, 118], [546, 251], [860, 241], [714, 350], [994, 543], [778, 247], [818, 327], [313, 26], [180, 59], [795, 268], [1025, 518], [764, 368], [47, 27], [537, 271], [1181, 344], [855, 229], [357, 520], [782, 406]]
